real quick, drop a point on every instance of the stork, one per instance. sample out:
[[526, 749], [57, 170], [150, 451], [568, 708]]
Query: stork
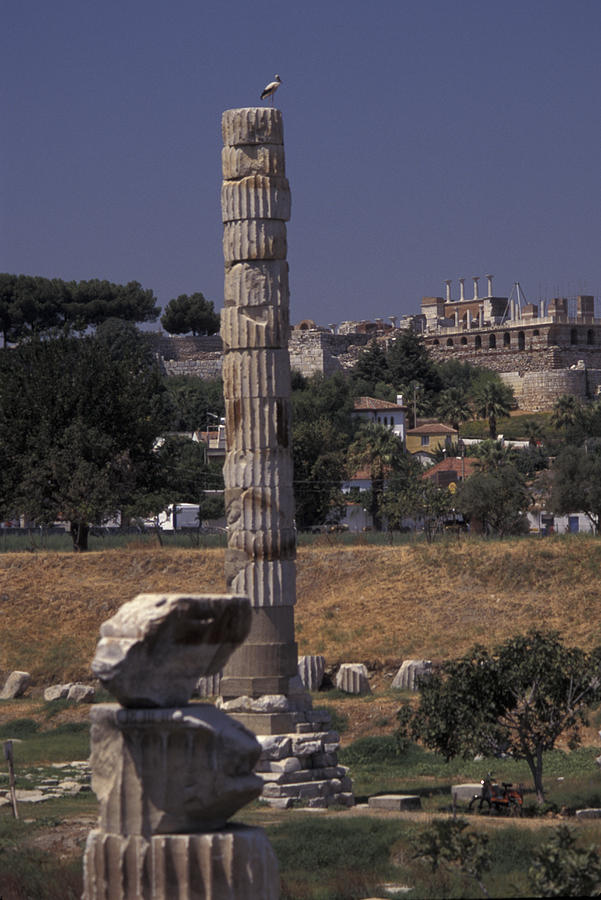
[[271, 88]]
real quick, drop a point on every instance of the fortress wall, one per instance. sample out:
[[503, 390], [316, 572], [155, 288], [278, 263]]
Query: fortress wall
[[536, 391], [538, 376], [500, 360]]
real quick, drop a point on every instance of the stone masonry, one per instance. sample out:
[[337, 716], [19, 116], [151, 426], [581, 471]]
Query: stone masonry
[[260, 685]]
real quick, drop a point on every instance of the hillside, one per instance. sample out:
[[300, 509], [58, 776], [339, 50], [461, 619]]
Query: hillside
[[372, 604]]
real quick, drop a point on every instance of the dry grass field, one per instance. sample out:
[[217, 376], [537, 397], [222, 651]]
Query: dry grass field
[[373, 604]]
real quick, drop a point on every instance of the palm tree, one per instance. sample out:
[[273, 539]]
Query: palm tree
[[567, 412], [453, 407], [492, 454], [493, 401], [379, 450]]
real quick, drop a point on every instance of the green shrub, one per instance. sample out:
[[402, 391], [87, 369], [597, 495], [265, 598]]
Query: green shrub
[[370, 750], [18, 728]]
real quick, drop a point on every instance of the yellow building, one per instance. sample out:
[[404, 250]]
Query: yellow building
[[425, 440]]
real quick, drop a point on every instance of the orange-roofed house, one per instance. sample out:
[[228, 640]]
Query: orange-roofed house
[[452, 470]]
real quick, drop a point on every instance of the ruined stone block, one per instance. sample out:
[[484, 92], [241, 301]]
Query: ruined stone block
[[352, 678], [265, 372], [409, 672], [396, 802], [254, 327], [154, 649], [258, 424], [311, 671], [15, 685], [237, 863], [170, 770]]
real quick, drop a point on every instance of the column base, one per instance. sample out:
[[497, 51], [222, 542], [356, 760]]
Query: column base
[[236, 863]]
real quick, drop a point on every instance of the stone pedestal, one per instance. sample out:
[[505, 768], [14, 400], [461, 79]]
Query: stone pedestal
[[236, 863], [168, 777]]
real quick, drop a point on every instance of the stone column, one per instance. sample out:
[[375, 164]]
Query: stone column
[[260, 685], [255, 201]]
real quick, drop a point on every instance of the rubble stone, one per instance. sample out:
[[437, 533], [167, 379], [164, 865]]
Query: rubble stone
[[410, 670], [81, 693], [15, 685], [56, 692]]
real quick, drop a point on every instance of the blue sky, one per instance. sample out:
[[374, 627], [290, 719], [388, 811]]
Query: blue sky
[[424, 140]]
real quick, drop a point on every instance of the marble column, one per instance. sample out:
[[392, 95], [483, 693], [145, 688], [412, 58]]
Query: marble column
[[260, 559]]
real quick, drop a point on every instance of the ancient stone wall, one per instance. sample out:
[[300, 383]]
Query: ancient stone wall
[[310, 352], [539, 374]]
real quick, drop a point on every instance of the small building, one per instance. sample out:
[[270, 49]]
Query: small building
[[451, 471], [424, 440], [382, 412]]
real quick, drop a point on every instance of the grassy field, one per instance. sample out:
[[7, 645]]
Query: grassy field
[[325, 855], [356, 603], [372, 604]]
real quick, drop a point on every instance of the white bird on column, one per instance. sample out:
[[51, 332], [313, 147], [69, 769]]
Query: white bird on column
[[270, 89]]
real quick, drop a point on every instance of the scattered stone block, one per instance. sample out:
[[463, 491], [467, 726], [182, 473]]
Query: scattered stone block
[[396, 802], [463, 793], [352, 678], [81, 693], [56, 692], [311, 671], [411, 669], [15, 685], [591, 813]]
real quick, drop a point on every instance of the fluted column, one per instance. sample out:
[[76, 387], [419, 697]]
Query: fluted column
[[260, 559]]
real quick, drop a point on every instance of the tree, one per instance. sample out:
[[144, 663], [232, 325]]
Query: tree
[[453, 407], [490, 454], [194, 401], [319, 470], [77, 431], [497, 499], [322, 428], [408, 360], [398, 498], [519, 698], [567, 412], [576, 481], [190, 313], [430, 504], [33, 305], [371, 368], [187, 477], [493, 401], [379, 450]]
